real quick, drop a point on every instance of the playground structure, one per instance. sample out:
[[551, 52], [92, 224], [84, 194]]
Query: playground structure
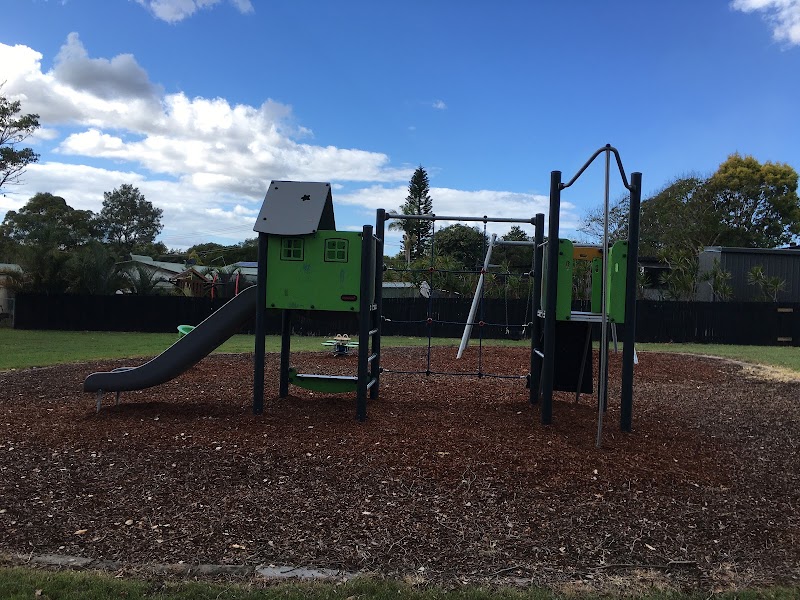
[[304, 263]]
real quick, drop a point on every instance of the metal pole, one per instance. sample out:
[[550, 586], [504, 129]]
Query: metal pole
[[375, 370], [286, 346], [367, 281], [604, 318], [536, 304], [551, 297], [629, 340], [431, 217], [261, 327], [476, 299]]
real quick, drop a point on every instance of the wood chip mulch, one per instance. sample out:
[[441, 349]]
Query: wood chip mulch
[[450, 479]]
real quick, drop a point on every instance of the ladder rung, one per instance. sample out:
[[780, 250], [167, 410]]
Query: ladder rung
[[538, 353]]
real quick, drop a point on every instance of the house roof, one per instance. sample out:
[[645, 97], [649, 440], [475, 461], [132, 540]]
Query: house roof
[[790, 251], [170, 267]]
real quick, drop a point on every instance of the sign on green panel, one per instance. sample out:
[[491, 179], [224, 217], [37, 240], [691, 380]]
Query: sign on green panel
[[320, 271]]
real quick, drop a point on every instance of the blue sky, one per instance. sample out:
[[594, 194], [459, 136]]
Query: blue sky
[[200, 103]]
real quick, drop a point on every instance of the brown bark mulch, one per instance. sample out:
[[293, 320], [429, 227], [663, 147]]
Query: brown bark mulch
[[451, 478]]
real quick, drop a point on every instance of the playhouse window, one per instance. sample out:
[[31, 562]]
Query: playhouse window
[[335, 250], [291, 249]]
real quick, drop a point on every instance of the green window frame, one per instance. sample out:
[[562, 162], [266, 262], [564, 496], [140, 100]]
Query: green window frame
[[291, 249], [336, 250]]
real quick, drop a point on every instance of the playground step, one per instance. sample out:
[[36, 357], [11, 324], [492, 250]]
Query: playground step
[[332, 384]]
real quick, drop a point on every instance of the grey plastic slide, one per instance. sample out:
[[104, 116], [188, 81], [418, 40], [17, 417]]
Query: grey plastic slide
[[184, 353]]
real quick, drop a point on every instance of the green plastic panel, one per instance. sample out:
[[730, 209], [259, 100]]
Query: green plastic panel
[[564, 285], [320, 271], [617, 275], [331, 384]]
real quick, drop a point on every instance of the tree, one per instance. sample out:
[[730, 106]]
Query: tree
[[467, 245], [592, 223], [142, 281], [768, 287], [719, 281], [47, 220], [15, 129], [128, 220], [756, 205], [417, 233], [92, 270], [516, 258]]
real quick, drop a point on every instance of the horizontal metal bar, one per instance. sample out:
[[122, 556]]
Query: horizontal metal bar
[[371, 382], [433, 217], [513, 243], [373, 331], [372, 357], [539, 353]]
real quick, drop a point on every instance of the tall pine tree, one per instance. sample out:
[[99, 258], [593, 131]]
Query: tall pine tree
[[417, 234]]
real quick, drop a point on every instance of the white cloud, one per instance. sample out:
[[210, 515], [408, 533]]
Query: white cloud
[[173, 11], [460, 203], [783, 15], [204, 161], [439, 105]]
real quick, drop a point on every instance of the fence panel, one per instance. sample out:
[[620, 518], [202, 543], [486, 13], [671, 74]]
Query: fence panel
[[746, 323]]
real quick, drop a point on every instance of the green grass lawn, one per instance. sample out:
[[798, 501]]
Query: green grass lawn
[[28, 584], [41, 348]]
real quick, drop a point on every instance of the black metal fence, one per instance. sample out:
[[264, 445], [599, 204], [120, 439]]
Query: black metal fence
[[749, 323]]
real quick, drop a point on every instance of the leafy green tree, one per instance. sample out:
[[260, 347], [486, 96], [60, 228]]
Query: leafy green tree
[[417, 233], [141, 281], [44, 269], [756, 204], [467, 245], [681, 279], [515, 258], [48, 221], [15, 129], [592, 222], [91, 270], [128, 220]]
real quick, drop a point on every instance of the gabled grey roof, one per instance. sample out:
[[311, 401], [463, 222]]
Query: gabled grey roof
[[296, 208]]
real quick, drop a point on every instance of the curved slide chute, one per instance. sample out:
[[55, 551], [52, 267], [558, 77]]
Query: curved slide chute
[[184, 353]]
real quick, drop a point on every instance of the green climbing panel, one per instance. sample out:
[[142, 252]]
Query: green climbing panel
[[331, 384], [617, 277], [564, 285]]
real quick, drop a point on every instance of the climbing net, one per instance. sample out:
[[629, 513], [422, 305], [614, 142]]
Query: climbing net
[[435, 273]]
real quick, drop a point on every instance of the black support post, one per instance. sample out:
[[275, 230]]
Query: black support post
[[536, 303], [365, 310], [548, 364], [286, 349], [377, 321], [261, 327], [631, 278]]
